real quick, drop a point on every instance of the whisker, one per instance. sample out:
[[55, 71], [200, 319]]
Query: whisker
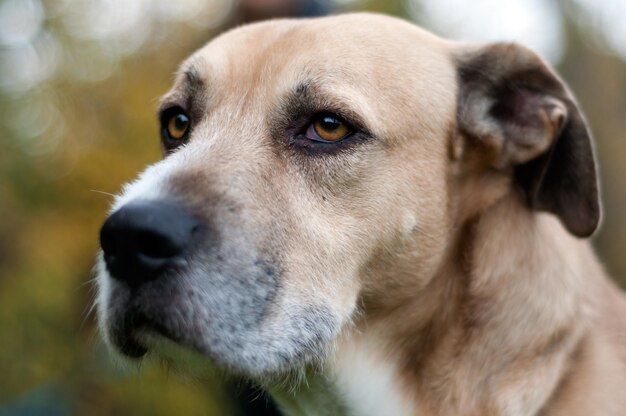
[[92, 300], [103, 193], [88, 282]]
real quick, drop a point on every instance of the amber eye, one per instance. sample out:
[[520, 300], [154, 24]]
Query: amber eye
[[328, 128], [177, 125]]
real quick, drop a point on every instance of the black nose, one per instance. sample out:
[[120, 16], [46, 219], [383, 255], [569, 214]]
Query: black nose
[[143, 239]]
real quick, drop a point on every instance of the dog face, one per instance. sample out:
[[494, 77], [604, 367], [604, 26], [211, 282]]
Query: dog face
[[311, 168]]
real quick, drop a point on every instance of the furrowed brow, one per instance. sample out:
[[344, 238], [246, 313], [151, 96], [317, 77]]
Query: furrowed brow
[[308, 98], [194, 84], [190, 92]]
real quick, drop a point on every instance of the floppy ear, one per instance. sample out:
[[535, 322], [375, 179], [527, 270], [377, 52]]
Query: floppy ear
[[523, 118]]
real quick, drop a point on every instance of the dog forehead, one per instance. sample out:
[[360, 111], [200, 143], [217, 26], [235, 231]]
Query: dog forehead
[[384, 66], [344, 47]]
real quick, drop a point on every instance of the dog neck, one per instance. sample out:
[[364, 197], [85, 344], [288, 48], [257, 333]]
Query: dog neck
[[359, 378], [467, 343]]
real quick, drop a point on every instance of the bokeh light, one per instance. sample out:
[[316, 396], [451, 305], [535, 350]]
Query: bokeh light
[[79, 82]]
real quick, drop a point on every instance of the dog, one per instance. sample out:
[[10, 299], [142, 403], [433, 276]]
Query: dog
[[368, 219]]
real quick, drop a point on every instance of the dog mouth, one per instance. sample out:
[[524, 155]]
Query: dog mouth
[[148, 336], [134, 325], [224, 314], [218, 320], [129, 335]]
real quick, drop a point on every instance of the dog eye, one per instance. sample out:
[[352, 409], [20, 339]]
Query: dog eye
[[175, 125], [328, 128]]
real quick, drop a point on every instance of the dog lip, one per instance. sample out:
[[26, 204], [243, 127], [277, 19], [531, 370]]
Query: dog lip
[[128, 336], [125, 340], [124, 333], [132, 348], [137, 340]]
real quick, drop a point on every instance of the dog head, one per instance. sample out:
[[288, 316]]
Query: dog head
[[312, 164]]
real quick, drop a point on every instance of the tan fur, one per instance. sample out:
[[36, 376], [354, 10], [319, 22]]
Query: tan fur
[[418, 240]]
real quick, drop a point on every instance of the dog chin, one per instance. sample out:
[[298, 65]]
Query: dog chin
[[264, 362], [180, 357], [185, 324]]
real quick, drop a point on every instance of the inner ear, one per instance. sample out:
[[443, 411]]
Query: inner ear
[[529, 122], [519, 117]]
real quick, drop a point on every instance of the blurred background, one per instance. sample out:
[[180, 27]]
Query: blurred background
[[79, 80]]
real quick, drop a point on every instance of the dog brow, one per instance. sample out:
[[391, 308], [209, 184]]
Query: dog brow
[[303, 88], [189, 91], [309, 97], [193, 80]]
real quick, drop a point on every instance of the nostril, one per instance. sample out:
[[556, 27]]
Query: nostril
[[155, 245], [142, 239]]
